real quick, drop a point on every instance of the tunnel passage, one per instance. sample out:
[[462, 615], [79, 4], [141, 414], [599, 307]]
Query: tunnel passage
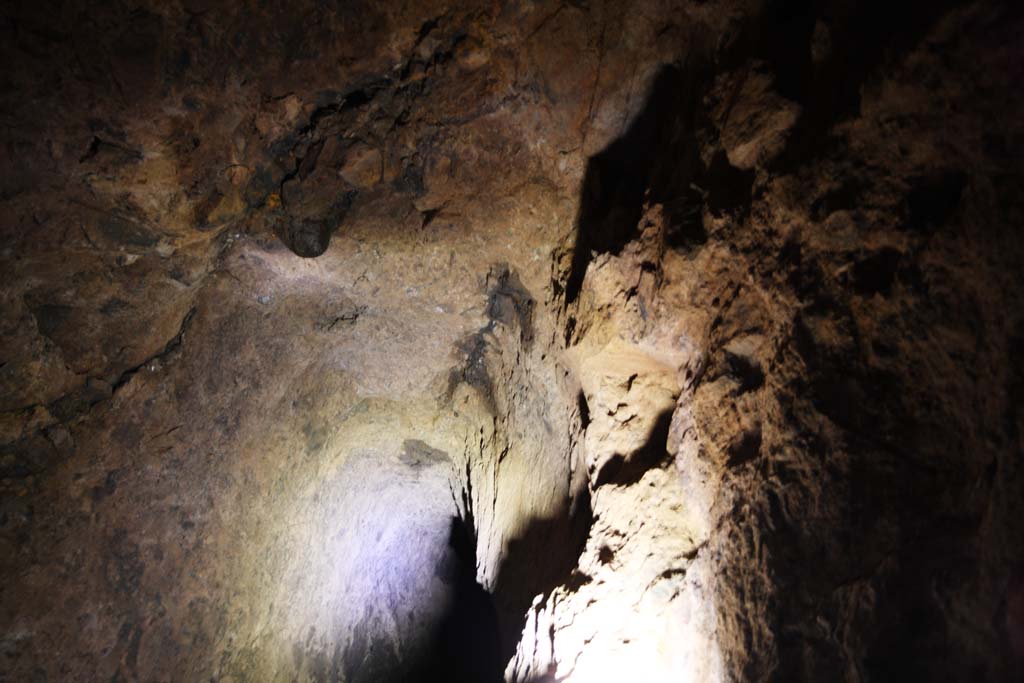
[[464, 647], [757, 334], [384, 581], [455, 631], [458, 644]]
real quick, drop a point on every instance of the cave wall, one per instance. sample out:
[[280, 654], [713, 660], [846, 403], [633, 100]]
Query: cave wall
[[700, 318], [845, 428]]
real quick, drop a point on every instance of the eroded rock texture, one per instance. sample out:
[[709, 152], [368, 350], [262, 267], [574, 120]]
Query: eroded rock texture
[[527, 340]]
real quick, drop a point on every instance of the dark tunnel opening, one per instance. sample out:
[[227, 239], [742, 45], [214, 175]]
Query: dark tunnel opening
[[465, 645], [478, 632], [460, 646]]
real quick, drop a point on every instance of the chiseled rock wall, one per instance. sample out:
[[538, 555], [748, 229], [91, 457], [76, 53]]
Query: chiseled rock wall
[[702, 317], [827, 300]]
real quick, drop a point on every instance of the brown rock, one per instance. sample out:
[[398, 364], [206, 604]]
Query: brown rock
[[662, 340]]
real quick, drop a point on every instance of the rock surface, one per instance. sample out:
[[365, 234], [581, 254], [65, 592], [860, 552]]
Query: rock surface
[[686, 330]]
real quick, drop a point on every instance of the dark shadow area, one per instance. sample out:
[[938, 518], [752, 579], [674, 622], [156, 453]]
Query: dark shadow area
[[623, 471], [536, 562], [465, 647], [461, 647], [862, 38], [934, 198], [656, 155], [546, 554], [655, 161]]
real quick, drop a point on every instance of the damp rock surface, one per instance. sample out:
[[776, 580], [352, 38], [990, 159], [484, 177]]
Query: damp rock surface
[[511, 341]]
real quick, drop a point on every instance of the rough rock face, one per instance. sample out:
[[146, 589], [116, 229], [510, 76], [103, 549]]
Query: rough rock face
[[527, 340]]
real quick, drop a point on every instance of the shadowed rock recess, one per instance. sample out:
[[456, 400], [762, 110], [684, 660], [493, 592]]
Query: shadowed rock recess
[[512, 341]]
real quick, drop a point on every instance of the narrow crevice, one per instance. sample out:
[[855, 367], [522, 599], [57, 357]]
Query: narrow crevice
[[170, 347], [465, 645]]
